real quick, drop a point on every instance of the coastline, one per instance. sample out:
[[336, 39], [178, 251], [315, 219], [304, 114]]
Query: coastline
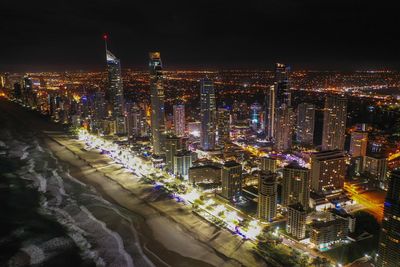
[[169, 233], [172, 225]]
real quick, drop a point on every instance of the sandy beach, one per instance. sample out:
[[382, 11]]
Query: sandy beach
[[172, 224], [151, 223]]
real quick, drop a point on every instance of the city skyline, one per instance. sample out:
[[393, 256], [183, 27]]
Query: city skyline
[[240, 155]]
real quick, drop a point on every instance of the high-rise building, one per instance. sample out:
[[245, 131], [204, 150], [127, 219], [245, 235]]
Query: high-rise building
[[115, 91], [135, 122], [269, 164], [267, 195], [284, 117], [296, 185], [283, 95], [100, 107], [389, 241], [305, 123], [328, 169], [334, 128], [157, 103], [324, 233], [223, 126], [270, 112], [115, 85], [231, 179], [358, 144], [296, 221], [255, 116], [172, 146], [182, 163], [179, 120], [208, 114], [376, 166]]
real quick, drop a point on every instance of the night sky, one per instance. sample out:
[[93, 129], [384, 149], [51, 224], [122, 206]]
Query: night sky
[[309, 34]]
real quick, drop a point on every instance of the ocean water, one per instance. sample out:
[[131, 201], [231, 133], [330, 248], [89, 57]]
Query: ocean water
[[49, 218]]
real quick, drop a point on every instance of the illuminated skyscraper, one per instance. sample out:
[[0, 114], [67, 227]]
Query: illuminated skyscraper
[[284, 119], [270, 112], [295, 185], [334, 129], [358, 144], [296, 222], [115, 89], [179, 120], [269, 164], [283, 114], [157, 103], [389, 241], [172, 145], [305, 123], [282, 86], [223, 126], [267, 195], [208, 114], [328, 169], [182, 163], [231, 179]]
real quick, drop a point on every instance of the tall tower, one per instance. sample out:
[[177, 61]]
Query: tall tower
[[208, 114], [305, 123], [179, 119], [267, 195], [284, 118], [115, 89], [283, 95], [270, 112], [334, 129], [157, 103], [115, 85], [296, 185], [389, 241], [223, 126]]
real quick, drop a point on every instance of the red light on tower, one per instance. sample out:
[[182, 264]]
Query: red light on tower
[[105, 36]]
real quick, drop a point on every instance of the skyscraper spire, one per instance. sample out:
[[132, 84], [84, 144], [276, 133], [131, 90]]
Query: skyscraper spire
[[105, 37]]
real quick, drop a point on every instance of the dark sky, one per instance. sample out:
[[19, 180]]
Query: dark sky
[[323, 34]]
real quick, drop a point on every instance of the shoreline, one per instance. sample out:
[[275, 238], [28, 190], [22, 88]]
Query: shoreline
[[240, 252], [170, 234]]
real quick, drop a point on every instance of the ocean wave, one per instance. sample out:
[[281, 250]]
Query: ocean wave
[[136, 240], [2, 144], [105, 242], [35, 253], [77, 234]]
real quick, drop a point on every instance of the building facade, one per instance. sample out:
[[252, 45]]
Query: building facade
[[231, 180], [305, 123], [389, 240], [296, 185], [179, 120], [296, 221], [334, 128], [328, 169], [207, 114], [267, 196], [157, 97]]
